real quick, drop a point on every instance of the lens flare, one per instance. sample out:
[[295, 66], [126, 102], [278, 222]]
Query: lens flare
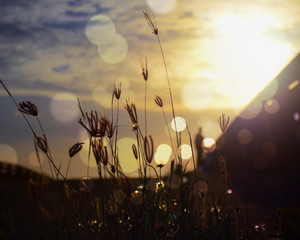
[[162, 154], [8, 154], [271, 106], [99, 28], [63, 107], [208, 145], [244, 136], [162, 7], [111, 46], [185, 151], [114, 50], [180, 124], [252, 110]]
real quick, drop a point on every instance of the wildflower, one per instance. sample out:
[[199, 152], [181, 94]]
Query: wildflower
[[100, 151], [223, 122], [117, 91], [42, 143], [148, 148], [103, 123], [75, 149], [134, 150], [150, 18], [28, 108], [158, 101], [144, 69], [159, 185], [96, 127], [131, 109], [110, 130]]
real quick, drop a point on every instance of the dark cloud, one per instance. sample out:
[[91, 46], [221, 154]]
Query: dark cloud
[[70, 13], [12, 31], [61, 69], [68, 25]]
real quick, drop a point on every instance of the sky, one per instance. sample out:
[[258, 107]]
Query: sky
[[219, 55]]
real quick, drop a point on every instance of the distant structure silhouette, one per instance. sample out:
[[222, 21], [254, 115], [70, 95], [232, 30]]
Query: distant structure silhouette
[[265, 146], [198, 142]]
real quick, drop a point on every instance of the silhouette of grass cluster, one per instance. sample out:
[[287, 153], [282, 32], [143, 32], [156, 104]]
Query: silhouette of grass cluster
[[124, 208]]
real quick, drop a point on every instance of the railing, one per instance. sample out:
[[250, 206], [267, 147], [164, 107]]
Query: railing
[[7, 169]]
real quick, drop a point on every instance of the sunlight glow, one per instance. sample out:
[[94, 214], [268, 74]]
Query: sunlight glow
[[244, 58], [196, 95]]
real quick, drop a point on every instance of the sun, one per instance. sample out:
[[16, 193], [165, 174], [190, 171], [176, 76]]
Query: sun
[[249, 57], [243, 56]]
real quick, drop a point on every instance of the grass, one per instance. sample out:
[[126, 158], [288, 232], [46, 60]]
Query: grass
[[179, 206]]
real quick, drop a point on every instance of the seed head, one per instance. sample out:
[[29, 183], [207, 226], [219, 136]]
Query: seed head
[[117, 91], [95, 126], [104, 122], [28, 108], [110, 128], [144, 69], [131, 109], [150, 18], [75, 149], [223, 122], [100, 151], [42, 143], [158, 101], [134, 150], [148, 148]]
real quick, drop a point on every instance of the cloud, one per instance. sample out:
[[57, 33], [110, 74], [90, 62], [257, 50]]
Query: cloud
[[61, 69]]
